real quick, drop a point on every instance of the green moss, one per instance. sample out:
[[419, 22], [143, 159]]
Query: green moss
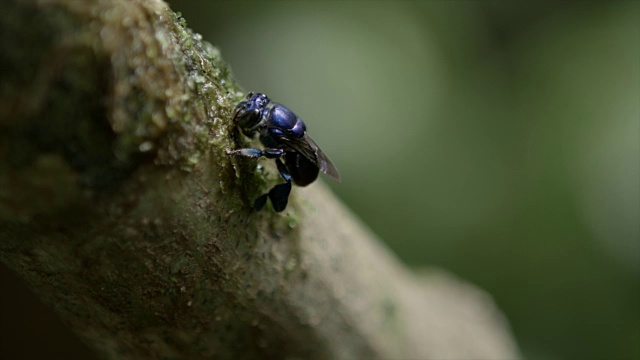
[[139, 90]]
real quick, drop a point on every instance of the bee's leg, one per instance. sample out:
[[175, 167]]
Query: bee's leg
[[279, 194], [284, 172], [269, 153], [260, 202]]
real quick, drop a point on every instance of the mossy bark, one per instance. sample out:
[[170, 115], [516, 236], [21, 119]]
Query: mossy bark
[[122, 211]]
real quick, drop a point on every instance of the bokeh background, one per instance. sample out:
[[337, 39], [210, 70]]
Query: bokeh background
[[497, 140]]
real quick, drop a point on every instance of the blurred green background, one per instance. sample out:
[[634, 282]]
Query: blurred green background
[[497, 140]]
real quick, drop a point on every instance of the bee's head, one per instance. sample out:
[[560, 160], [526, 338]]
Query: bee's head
[[248, 113]]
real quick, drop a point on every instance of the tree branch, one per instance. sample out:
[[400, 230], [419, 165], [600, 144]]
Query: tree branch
[[122, 211]]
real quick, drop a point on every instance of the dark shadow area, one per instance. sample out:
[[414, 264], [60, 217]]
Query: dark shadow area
[[30, 330]]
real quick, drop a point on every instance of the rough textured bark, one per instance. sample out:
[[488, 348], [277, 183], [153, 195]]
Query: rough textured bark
[[122, 211]]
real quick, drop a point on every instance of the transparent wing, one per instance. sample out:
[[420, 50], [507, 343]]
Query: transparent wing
[[309, 149]]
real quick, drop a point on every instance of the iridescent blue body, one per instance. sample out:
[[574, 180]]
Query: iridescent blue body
[[284, 136]]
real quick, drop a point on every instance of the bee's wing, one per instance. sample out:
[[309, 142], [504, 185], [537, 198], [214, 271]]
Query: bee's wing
[[309, 149]]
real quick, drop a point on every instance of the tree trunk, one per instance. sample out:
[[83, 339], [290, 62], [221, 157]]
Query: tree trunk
[[121, 209]]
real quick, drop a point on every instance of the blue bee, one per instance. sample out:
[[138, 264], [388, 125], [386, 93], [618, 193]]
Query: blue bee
[[284, 136]]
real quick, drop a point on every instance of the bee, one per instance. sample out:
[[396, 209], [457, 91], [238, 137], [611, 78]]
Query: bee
[[284, 137]]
